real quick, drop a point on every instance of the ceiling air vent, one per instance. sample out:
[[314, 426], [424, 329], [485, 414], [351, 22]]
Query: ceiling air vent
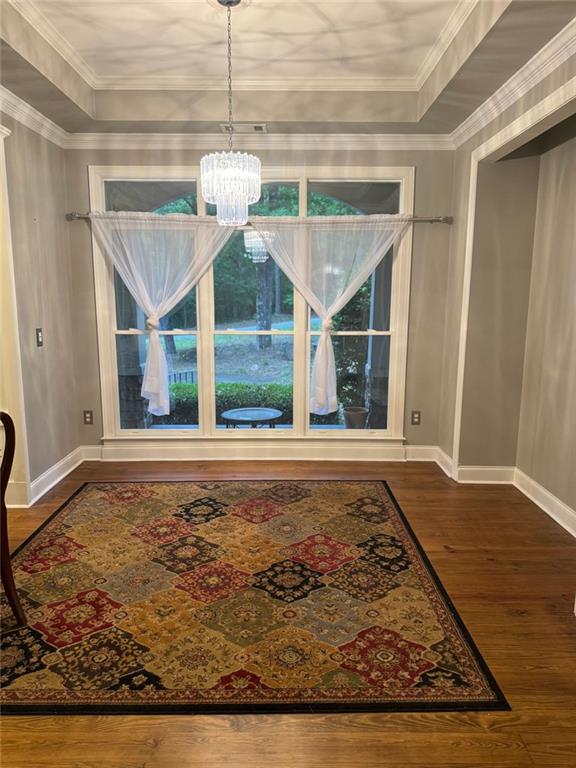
[[245, 127]]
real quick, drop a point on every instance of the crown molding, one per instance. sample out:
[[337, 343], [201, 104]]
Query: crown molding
[[29, 11], [270, 141], [285, 84], [558, 50], [444, 41], [25, 114]]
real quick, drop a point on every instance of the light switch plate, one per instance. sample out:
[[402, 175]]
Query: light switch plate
[[39, 337]]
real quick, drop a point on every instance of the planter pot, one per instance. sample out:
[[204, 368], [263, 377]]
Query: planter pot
[[355, 417]]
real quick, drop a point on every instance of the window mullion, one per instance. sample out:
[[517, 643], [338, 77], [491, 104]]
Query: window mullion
[[205, 353], [301, 366]]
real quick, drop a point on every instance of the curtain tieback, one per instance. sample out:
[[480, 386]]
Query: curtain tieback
[[153, 323], [327, 325]]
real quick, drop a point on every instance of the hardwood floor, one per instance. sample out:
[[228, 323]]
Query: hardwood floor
[[509, 569]]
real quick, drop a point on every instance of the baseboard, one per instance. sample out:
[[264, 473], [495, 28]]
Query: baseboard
[[444, 462], [421, 452], [552, 505], [492, 475], [48, 479], [233, 449], [91, 452], [430, 453], [17, 494]]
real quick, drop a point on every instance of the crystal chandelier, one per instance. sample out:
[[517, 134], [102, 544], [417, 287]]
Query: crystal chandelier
[[230, 179], [255, 246]]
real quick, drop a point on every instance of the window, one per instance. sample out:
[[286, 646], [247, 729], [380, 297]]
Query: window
[[244, 338], [363, 354], [178, 328], [254, 368]]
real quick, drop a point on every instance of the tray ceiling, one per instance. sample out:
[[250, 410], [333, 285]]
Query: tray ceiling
[[300, 66], [295, 44]]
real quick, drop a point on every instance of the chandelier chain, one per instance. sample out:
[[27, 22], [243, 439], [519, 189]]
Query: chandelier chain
[[230, 119]]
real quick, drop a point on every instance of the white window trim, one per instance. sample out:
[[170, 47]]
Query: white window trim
[[300, 433]]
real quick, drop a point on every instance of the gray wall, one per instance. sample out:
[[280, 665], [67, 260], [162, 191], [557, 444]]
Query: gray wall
[[547, 434], [462, 162], [500, 284], [45, 294]]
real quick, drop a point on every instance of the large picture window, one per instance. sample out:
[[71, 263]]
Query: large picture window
[[244, 338]]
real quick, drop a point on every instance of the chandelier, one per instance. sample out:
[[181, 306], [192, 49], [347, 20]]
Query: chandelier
[[230, 179], [255, 246]]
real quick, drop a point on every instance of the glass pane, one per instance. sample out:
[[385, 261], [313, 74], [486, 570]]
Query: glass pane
[[183, 377], [254, 372], [250, 296], [362, 364], [158, 196], [279, 198], [370, 307], [346, 198], [129, 315]]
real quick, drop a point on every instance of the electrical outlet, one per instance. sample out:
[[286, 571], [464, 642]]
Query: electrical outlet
[[39, 337], [416, 418], [88, 417]]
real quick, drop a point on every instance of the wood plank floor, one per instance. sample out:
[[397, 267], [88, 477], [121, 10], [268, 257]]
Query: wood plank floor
[[507, 566]]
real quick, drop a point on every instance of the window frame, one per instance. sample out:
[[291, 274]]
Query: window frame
[[205, 330]]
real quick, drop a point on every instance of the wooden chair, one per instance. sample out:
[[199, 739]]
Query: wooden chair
[[5, 562]]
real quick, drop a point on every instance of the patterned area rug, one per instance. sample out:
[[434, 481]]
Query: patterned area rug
[[239, 597]]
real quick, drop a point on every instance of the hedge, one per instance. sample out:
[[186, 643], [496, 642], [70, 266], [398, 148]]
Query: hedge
[[184, 402]]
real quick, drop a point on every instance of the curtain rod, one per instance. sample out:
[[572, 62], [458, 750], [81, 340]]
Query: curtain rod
[[414, 219]]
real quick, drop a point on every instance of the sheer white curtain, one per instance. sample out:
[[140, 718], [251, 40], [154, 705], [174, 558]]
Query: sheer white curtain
[[328, 259], [160, 259]]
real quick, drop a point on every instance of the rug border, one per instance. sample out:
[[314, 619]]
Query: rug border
[[449, 604], [499, 705]]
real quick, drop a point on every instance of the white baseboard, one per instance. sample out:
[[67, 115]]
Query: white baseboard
[[444, 462], [91, 452], [430, 453], [421, 452], [233, 449], [552, 505], [17, 494], [48, 479], [492, 475]]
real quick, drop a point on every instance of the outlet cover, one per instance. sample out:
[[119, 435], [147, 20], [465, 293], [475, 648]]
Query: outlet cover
[[88, 417], [416, 419]]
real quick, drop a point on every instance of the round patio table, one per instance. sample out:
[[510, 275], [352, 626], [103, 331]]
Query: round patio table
[[255, 417]]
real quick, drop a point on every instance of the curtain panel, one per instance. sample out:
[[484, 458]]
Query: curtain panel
[[160, 259], [327, 259]]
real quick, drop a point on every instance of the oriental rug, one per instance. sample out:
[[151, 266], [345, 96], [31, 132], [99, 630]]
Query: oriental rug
[[273, 596]]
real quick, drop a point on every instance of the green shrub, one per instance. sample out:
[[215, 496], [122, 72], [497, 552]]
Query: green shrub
[[183, 405], [184, 402], [234, 395]]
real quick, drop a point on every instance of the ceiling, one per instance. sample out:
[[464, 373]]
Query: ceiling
[[300, 66], [278, 43]]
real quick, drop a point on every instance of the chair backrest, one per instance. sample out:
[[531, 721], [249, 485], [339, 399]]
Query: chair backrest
[[8, 455]]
